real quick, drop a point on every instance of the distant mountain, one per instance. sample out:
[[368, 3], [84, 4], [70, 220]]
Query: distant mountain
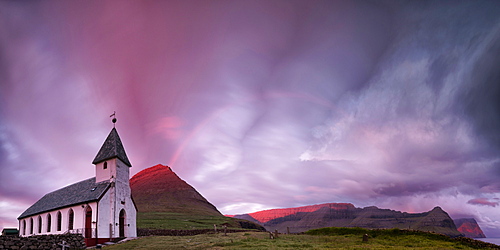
[[159, 189], [300, 219], [469, 227], [262, 217]]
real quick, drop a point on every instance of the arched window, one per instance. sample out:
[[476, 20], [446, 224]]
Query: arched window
[[39, 224], [24, 227], [59, 221], [105, 165], [31, 225], [71, 218], [49, 222]]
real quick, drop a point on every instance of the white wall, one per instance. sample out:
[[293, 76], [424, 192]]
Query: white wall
[[102, 174], [115, 169], [105, 217], [117, 198], [120, 198], [78, 221]]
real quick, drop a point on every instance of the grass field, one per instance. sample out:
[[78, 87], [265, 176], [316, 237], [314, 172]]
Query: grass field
[[261, 240], [164, 220], [179, 221]]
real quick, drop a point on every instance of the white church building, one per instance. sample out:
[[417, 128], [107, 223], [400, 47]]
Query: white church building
[[100, 208]]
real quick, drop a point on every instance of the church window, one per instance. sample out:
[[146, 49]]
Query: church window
[[71, 217], [39, 224], [105, 166], [24, 227], [59, 221], [49, 224], [31, 225]]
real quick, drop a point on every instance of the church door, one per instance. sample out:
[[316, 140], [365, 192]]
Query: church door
[[88, 223], [122, 223]]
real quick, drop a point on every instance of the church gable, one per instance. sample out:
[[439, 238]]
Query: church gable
[[80, 192], [112, 148]]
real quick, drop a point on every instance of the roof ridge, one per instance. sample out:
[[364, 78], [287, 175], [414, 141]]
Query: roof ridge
[[69, 185], [77, 193]]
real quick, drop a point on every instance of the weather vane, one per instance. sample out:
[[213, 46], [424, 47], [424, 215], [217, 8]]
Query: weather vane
[[114, 118]]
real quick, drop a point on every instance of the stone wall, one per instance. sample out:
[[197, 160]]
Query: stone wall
[[74, 241], [187, 232]]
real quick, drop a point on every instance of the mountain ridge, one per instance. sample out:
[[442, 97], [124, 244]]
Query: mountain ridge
[[304, 218]]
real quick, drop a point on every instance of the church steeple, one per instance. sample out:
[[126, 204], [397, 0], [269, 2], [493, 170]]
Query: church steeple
[[112, 148]]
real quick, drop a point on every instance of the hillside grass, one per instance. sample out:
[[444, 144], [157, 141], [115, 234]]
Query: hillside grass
[[179, 221], [314, 240]]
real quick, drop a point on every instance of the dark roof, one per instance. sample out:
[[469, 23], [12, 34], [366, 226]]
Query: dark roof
[[10, 231], [112, 148], [80, 192]]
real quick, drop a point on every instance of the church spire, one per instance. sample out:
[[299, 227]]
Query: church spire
[[112, 148]]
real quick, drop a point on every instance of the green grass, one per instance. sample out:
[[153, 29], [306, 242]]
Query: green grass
[[261, 240], [374, 232], [165, 220]]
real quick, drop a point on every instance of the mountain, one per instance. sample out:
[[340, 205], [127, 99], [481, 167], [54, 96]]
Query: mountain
[[159, 189], [165, 201], [469, 227], [268, 215], [304, 218]]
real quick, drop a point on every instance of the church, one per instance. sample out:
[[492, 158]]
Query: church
[[100, 208]]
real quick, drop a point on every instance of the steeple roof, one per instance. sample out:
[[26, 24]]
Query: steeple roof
[[112, 148]]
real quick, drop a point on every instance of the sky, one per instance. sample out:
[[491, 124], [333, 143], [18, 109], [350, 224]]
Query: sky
[[259, 104]]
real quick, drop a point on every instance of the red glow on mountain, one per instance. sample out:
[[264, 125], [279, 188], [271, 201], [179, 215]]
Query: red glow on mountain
[[151, 173], [159, 189], [469, 227], [267, 215]]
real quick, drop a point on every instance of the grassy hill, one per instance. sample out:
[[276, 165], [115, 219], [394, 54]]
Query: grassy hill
[[165, 201], [328, 238], [159, 189], [184, 221]]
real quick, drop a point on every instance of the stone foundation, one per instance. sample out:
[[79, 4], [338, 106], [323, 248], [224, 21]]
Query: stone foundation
[[74, 241]]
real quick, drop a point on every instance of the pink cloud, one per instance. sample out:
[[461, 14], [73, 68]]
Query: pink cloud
[[485, 202], [170, 127]]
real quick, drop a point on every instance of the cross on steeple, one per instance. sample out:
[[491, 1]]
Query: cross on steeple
[[114, 118]]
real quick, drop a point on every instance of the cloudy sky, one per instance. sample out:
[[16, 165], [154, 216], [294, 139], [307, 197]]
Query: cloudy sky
[[259, 104]]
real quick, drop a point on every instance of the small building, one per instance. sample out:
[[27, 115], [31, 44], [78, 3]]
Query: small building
[[100, 208], [10, 231]]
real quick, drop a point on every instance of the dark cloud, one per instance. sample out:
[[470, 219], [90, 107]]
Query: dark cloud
[[482, 99], [411, 188], [440, 68]]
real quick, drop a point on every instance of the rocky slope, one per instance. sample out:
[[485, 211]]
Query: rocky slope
[[159, 189], [469, 227], [346, 215]]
